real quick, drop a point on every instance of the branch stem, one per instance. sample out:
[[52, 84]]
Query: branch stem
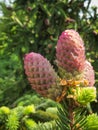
[[71, 114]]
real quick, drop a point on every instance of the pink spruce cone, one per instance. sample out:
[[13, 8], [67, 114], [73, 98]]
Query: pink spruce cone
[[89, 74], [41, 75], [70, 51]]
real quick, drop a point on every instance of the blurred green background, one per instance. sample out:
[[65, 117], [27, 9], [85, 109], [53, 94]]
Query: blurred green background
[[34, 25]]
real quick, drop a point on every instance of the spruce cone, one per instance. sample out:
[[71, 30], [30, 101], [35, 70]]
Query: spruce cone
[[41, 75], [70, 51], [89, 73]]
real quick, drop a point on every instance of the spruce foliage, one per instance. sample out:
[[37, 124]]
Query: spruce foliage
[[29, 25]]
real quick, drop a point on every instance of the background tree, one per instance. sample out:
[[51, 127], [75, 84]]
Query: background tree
[[35, 26]]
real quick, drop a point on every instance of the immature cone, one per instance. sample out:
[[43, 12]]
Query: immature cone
[[89, 74], [41, 75], [70, 51]]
